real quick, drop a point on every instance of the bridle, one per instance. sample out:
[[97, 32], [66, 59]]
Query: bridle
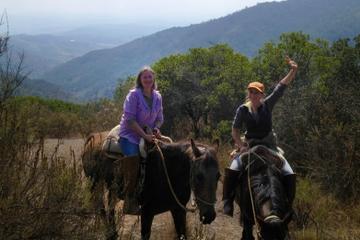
[[268, 218], [257, 226], [157, 147]]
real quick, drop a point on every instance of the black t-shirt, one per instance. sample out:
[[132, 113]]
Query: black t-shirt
[[258, 125]]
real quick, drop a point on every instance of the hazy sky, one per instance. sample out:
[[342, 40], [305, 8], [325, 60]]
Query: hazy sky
[[166, 12]]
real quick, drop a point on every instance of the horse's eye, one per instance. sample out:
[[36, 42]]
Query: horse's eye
[[199, 177]]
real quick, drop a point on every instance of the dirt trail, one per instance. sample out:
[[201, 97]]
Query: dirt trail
[[64, 148], [163, 227]]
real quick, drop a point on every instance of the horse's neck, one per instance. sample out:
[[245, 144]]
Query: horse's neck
[[178, 162]]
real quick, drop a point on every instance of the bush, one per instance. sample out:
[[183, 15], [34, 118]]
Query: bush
[[320, 216], [42, 195]]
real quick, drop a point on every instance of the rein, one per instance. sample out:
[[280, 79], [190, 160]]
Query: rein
[[171, 188], [271, 217], [168, 180], [205, 202], [257, 226]]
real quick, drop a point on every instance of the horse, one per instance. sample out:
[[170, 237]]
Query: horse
[[262, 199], [172, 171], [92, 158], [101, 171]]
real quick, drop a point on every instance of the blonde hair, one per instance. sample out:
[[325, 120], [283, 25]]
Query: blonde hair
[[247, 102]]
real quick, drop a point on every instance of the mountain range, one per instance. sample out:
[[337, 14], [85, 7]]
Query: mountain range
[[45, 51], [96, 73]]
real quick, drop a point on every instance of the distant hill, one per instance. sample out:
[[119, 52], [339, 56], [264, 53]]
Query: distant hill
[[43, 52], [41, 88], [96, 73], [109, 35]]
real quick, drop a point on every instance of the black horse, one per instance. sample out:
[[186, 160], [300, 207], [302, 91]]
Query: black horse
[[272, 210], [189, 168]]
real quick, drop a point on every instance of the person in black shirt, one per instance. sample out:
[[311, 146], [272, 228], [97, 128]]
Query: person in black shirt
[[255, 115]]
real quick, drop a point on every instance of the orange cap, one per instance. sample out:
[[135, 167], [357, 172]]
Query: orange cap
[[257, 85]]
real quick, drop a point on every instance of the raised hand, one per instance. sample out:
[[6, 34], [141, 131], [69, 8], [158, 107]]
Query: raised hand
[[291, 62]]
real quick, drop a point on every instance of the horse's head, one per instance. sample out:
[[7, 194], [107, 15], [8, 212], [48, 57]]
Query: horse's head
[[204, 177], [271, 206]]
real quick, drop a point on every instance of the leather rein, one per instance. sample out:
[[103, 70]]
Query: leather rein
[[171, 188]]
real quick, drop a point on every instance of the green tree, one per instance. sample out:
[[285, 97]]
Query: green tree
[[335, 135], [197, 85]]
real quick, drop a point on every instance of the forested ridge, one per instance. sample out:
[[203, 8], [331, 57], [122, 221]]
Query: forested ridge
[[95, 74]]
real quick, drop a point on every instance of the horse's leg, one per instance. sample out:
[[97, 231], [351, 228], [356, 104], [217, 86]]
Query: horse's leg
[[247, 233], [97, 196], [179, 216], [111, 225], [146, 222], [99, 201]]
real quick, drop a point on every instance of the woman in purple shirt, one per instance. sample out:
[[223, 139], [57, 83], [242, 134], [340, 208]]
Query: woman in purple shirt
[[142, 108]]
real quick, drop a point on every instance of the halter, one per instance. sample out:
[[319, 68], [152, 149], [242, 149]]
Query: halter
[[257, 226], [171, 188], [205, 202], [270, 217]]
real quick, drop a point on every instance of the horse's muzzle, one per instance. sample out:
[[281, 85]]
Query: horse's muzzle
[[208, 216], [274, 229]]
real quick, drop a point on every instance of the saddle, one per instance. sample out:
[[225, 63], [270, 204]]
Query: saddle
[[110, 146], [269, 155], [273, 157], [130, 169], [113, 150]]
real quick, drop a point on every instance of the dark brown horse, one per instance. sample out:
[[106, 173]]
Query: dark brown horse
[[100, 169], [189, 167], [272, 209], [91, 156]]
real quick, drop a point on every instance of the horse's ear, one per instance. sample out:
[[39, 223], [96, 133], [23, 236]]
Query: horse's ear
[[195, 150], [216, 144]]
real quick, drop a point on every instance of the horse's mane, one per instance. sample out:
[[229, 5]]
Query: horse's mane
[[177, 146], [267, 185], [184, 147]]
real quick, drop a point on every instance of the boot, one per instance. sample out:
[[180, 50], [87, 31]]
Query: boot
[[290, 187], [131, 204], [231, 179]]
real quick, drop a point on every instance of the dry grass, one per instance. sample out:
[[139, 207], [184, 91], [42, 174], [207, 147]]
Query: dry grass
[[45, 196], [321, 216]]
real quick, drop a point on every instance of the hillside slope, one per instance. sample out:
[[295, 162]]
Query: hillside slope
[[95, 74]]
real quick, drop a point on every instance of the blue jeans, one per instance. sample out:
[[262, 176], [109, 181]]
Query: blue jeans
[[128, 148]]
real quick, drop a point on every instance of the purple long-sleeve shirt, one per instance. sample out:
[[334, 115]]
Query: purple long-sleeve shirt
[[136, 108]]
